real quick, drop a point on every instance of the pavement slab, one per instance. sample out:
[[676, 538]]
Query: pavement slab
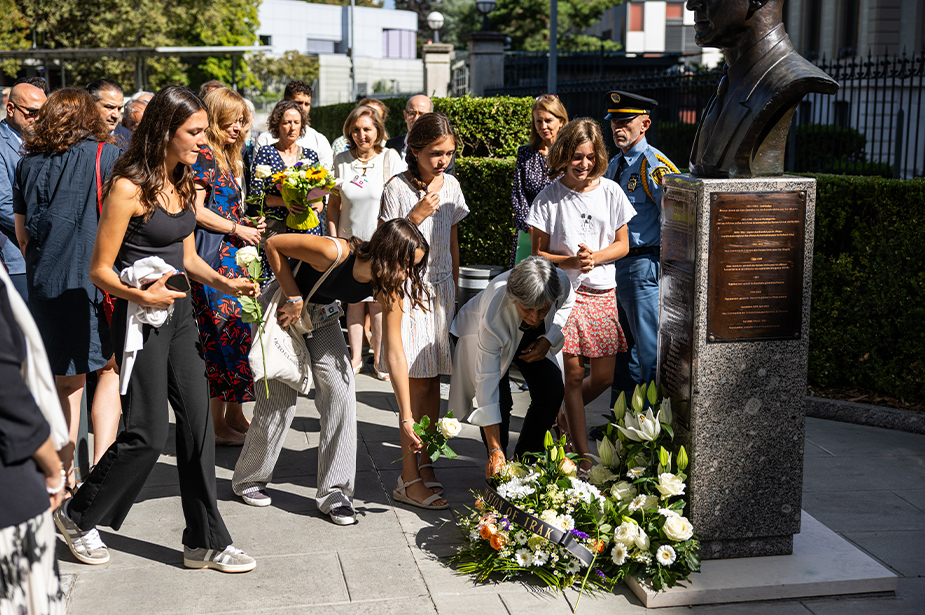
[[865, 483]]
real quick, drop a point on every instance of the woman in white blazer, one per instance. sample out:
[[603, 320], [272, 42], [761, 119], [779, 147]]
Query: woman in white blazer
[[517, 320]]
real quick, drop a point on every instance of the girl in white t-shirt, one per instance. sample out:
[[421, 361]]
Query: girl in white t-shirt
[[579, 222]]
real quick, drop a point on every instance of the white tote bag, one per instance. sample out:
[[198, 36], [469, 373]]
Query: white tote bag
[[283, 350]]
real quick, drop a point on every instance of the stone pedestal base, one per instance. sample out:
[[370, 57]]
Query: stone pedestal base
[[822, 564], [736, 262]]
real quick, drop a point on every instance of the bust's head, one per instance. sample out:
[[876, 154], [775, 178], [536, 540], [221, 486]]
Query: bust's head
[[731, 24]]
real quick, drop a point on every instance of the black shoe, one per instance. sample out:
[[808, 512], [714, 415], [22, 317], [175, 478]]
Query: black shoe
[[343, 515]]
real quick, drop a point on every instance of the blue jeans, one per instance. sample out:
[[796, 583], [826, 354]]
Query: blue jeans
[[637, 303]]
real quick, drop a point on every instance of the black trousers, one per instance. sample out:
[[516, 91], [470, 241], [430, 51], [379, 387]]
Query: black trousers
[[170, 367], [544, 379]]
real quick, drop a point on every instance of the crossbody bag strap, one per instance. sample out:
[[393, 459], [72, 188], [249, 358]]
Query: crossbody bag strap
[[340, 253], [99, 180]]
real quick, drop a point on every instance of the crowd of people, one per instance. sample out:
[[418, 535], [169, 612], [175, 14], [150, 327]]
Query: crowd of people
[[122, 219]]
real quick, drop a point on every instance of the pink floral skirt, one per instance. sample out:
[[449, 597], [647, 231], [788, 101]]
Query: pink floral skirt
[[593, 329]]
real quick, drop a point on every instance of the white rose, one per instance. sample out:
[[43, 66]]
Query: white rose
[[641, 540], [449, 427], [600, 474], [262, 171], [623, 491], [678, 528], [549, 516], [626, 533], [669, 485], [245, 256]]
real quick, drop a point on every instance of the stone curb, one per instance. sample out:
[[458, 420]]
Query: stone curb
[[865, 414]]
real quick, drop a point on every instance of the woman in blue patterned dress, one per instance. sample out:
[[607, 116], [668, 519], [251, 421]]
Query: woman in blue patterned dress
[[226, 340], [286, 123]]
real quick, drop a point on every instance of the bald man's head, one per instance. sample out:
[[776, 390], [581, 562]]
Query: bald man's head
[[23, 107], [417, 106]]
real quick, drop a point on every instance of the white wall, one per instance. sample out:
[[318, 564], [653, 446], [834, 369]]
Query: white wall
[[334, 76]]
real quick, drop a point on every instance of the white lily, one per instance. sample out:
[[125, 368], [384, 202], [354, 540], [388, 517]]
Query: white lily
[[641, 427], [665, 411], [608, 453]]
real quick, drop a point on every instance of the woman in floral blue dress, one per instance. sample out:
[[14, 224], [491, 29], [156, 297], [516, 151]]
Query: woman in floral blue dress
[[226, 340], [286, 124]]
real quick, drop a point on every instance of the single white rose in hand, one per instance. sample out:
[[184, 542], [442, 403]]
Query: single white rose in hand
[[245, 256], [678, 528], [450, 428], [262, 171]]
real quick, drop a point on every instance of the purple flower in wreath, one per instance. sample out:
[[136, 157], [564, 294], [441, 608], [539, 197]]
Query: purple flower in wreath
[[505, 523], [579, 534], [599, 573]]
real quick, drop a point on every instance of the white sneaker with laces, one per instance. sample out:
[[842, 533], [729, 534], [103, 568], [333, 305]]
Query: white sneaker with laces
[[228, 560], [87, 546]]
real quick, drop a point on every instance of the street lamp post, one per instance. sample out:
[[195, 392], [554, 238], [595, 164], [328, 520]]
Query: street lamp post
[[435, 22], [485, 7]]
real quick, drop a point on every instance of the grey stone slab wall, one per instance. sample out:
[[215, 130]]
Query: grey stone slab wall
[[743, 419]]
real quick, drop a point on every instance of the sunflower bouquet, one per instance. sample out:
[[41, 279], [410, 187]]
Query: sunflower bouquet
[[304, 184]]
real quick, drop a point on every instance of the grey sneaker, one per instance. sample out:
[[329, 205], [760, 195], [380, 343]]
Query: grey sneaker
[[258, 497], [229, 560], [343, 515], [86, 546]]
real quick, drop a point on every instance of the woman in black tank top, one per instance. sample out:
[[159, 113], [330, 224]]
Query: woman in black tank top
[[148, 211], [389, 267]]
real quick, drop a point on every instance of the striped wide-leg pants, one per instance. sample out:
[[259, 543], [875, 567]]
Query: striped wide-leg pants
[[335, 400]]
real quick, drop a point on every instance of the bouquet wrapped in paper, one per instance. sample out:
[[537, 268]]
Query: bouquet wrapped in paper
[[304, 184]]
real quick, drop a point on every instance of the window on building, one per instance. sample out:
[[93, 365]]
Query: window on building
[[675, 10], [399, 44], [314, 45], [266, 40], [848, 37], [674, 27], [813, 32], [636, 18], [842, 111]]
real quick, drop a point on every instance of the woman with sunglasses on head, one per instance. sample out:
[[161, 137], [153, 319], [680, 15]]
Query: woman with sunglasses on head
[[148, 210], [220, 210]]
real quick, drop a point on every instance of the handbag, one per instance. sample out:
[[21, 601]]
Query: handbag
[[283, 350], [209, 243], [109, 302]]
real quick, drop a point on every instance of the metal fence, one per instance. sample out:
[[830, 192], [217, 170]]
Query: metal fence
[[874, 125]]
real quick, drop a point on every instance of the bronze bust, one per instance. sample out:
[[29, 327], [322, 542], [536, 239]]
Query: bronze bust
[[743, 132]]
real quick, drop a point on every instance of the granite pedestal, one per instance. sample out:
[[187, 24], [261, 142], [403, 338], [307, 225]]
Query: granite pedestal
[[736, 264]]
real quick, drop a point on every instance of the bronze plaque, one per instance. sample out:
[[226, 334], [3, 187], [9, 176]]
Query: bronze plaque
[[756, 266], [676, 299]]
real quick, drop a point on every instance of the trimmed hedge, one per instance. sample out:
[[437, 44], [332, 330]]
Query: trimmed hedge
[[486, 234], [867, 325], [868, 312], [493, 127]]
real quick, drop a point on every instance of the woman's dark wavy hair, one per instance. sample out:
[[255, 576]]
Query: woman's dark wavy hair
[[391, 254], [428, 128], [68, 117], [143, 163], [276, 117]]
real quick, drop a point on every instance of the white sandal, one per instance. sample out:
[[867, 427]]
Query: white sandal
[[400, 495], [432, 484]]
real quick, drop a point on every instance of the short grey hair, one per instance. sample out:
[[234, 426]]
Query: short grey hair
[[534, 283]]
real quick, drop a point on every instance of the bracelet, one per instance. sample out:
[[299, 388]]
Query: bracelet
[[293, 299], [60, 487], [495, 450], [406, 420], [234, 227]]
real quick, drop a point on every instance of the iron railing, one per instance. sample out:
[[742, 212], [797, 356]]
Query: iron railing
[[874, 125]]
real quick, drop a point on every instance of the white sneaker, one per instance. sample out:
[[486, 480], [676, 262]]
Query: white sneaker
[[228, 560], [86, 546]]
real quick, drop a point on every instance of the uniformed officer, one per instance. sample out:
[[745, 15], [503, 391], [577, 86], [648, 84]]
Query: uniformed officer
[[639, 169]]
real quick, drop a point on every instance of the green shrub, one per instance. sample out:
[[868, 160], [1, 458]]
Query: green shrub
[[819, 148], [868, 304], [486, 234], [493, 127]]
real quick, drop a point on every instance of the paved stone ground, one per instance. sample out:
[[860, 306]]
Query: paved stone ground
[[866, 483]]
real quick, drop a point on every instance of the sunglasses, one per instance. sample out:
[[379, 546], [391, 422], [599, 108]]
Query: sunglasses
[[26, 110]]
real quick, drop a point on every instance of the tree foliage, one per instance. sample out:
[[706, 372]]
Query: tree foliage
[[527, 23], [272, 74], [141, 23]]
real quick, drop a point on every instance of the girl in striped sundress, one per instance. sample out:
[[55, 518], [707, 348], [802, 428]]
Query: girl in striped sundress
[[434, 202]]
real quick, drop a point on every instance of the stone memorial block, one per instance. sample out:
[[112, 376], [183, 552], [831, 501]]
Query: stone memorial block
[[736, 265]]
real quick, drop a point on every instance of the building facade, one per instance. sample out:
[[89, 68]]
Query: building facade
[[384, 46]]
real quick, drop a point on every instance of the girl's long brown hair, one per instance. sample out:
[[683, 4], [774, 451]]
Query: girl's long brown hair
[[428, 128], [68, 117], [143, 163], [225, 106], [391, 254]]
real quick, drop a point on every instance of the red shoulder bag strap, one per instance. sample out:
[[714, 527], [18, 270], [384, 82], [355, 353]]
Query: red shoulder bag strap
[[99, 180]]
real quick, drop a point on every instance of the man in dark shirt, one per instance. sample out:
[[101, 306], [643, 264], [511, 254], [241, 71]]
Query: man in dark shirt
[[416, 107], [109, 100]]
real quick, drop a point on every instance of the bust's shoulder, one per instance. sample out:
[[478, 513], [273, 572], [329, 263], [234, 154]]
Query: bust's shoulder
[[793, 70]]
